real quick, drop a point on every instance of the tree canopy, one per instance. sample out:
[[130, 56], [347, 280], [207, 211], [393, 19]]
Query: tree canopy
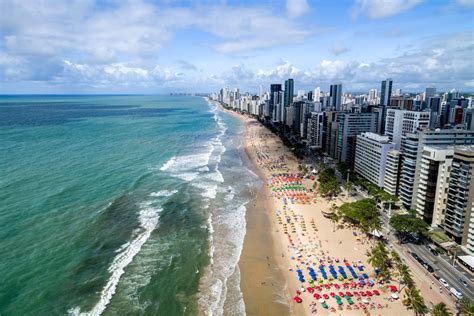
[[363, 212], [328, 184], [408, 223]]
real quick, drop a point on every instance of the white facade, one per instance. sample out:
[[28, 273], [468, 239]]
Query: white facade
[[392, 170], [371, 156], [400, 122], [315, 130], [432, 183]]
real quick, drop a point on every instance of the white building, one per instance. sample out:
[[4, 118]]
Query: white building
[[371, 156], [392, 172], [400, 122], [315, 130], [434, 171]]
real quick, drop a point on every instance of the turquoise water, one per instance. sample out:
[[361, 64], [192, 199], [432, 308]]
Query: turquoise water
[[120, 205]]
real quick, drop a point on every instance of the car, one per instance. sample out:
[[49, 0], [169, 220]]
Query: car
[[433, 251], [444, 283], [456, 293], [414, 255], [428, 267], [436, 276], [463, 282]]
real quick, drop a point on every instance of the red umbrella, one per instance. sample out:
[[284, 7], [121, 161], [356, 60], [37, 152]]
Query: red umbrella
[[325, 296], [336, 285], [332, 294], [362, 293], [316, 296], [297, 299], [356, 293], [376, 292], [310, 289], [368, 293], [349, 294], [345, 285], [319, 288], [341, 294]]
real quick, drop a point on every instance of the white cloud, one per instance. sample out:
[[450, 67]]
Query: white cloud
[[376, 9], [466, 3], [296, 8], [446, 62], [339, 48]]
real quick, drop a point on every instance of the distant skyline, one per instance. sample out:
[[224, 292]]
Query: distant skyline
[[199, 46]]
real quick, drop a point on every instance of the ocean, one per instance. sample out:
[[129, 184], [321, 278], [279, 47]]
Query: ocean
[[130, 205]]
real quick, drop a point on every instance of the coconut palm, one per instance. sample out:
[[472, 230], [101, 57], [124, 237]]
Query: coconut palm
[[465, 307], [379, 258], [396, 258], [414, 299], [440, 309], [405, 275]]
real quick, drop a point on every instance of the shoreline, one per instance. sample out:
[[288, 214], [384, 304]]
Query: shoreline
[[262, 281]]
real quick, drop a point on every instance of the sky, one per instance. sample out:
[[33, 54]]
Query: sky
[[138, 46]]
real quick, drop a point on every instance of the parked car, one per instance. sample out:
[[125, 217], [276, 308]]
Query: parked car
[[414, 255], [456, 293], [444, 283], [436, 276], [433, 251]]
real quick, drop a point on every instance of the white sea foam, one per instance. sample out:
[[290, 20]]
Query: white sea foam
[[163, 193], [229, 225], [168, 164], [148, 219]]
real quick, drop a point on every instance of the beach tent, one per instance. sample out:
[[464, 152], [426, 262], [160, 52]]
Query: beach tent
[[376, 233]]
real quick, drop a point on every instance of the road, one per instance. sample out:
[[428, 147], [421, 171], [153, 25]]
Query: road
[[441, 264]]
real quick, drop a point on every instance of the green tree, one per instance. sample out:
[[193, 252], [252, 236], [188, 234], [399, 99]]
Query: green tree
[[328, 184], [379, 257], [405, 275], [465, 307], [441, 309], [414, 299], [408, 223]]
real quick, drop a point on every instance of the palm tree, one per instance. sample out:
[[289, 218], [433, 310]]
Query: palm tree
[[396, 258], [334, 219], [441, 309], [379, 258], [414, 299], [465, 307], [405, 275]]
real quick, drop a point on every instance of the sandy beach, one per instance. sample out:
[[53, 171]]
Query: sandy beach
[[287, 232]]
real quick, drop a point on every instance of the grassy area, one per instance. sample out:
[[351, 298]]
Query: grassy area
[[438, 236]]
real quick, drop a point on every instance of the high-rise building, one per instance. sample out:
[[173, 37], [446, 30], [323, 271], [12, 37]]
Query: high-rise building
[[458, 220], [412, 150], [330, 133], [315, 130], [371, 157], [349, 126], [317, 94], [434, 164], [434, 106], [400, 122], [385, 95], [274, 88], [392, 172], [386, 92], [335, 96], [430, 92], [289, 92]]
